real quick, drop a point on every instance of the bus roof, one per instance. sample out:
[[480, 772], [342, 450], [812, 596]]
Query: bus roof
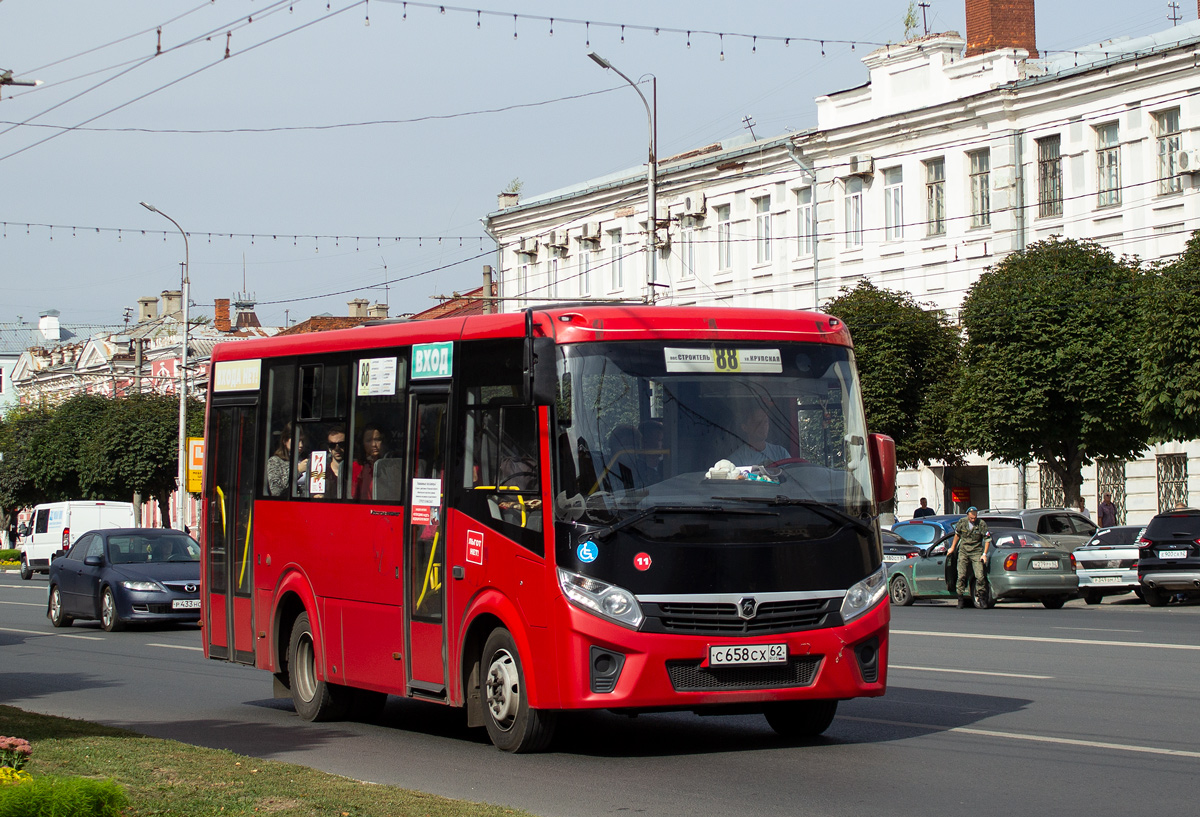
[[567, 324]]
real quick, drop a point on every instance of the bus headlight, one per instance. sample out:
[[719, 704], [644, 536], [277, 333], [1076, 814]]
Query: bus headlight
[[605, 600], [865, 594]]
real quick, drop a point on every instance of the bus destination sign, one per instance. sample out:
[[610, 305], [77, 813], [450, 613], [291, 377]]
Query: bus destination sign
[[724, 361]]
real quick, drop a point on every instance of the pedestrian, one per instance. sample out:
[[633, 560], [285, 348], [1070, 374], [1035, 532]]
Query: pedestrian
[[924, 510], [973, 533], [1082, 508], [1106, 512]]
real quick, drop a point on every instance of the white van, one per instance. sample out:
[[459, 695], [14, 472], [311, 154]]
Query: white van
[[56, 525]]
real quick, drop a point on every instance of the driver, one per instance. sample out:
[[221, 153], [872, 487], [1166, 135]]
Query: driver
[[755, 450]]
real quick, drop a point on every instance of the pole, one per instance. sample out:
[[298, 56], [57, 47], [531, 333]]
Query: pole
[[651, 177], [181, 473]]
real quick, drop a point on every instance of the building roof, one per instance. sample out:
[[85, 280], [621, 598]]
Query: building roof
[[324, 323], [16, 337], [461, 305]]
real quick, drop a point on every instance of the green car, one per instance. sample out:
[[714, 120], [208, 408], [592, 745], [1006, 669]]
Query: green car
[[1021, 566]]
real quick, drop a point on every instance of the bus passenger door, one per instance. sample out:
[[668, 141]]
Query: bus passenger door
[[425, 546], [228, 533]]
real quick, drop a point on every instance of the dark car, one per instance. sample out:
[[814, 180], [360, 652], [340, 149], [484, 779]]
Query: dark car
[[928, 529], [1021, 566], [896, 549], [124, 575], [1169, 557]]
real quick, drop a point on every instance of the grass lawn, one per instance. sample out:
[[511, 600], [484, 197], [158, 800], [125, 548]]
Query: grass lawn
[[163, 777]]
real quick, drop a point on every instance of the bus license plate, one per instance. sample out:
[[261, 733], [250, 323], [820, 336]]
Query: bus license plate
[[1172, 554], [1044, 564], [742, 655], [185, 604]]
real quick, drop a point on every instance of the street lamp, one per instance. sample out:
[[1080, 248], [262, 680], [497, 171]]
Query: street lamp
[[181, 476], [651, 174]]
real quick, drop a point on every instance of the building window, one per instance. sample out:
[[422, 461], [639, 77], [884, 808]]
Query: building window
[[893, 204], [687, 249], [1110, 478], [1108, 166], [935, 197], [1169, 143], [762, 229], [805, 222], [1050, 177], [522, 281], [1172, 481], [724, 239], [1050, 488], [854, 212], [616, 261], [981, 186], [585, 273], [552, 285]]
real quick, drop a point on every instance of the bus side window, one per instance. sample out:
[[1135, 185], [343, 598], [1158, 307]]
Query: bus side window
[[279, 474], [378, 441], [322, 466]]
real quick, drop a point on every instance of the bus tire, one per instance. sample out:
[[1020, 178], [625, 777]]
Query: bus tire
[[801, 719], [511, 724], [315, 700]]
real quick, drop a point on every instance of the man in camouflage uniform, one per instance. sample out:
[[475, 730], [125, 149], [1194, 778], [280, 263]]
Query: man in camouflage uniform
[[975, 539]]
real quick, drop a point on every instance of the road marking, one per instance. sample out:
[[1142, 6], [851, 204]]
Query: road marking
[[24, 603], [1095, 642], [971, 672], [993, 733], [58, 635], [1096, 629], [176, 647]]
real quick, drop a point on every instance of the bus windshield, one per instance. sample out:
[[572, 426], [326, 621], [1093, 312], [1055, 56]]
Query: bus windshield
[[678, 425]]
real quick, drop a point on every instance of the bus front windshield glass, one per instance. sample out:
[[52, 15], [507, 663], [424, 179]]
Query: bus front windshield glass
[[646, 426]]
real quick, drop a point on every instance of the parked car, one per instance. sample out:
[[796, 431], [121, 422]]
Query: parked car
[[1108, 564], [928, 529], [1021, 566], [896, 549], [124, 575], [55, 526], [1169, 557], [1061, 526]]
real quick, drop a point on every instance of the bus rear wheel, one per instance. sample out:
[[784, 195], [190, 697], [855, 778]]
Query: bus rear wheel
[[315, 700], [801, 719], [511, 724]]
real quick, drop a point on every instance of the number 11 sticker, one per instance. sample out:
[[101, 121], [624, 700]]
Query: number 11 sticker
[[642, 561]]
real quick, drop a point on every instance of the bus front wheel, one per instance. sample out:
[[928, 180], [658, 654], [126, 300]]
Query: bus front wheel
[[801, 719], [315, 700], [511, 724]]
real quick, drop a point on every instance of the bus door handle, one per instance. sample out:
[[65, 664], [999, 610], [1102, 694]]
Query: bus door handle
[[458, 572]]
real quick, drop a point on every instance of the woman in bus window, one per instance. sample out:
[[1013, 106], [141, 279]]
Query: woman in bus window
[[373, 448]]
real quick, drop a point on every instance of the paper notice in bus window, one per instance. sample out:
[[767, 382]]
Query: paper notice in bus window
[[724, 360], [421, 515], [426, 492], [316, 472], [377, 377]]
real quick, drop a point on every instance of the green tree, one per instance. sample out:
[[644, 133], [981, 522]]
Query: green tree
[[1048, 361], [52, 458], [18, 428], [134, 448], [907, 355], [1168, 380]]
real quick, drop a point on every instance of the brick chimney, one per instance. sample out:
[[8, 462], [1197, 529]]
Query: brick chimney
[[358, 307], [996, 24], [221, 313]]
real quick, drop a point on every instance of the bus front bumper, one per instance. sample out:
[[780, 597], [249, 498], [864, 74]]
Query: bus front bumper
[[605, 666]]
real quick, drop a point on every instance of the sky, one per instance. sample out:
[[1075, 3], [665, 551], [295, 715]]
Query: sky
[[348, 149]]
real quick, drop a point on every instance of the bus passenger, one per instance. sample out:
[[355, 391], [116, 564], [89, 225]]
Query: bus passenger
[[755, 450], [374, 446], [279, 465], [335, 466]]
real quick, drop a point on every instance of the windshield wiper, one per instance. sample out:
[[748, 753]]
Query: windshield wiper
[[604, 533], [825, 509]]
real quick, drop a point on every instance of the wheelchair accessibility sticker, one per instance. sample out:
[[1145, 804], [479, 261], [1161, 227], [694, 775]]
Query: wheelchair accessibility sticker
[[587, 552]]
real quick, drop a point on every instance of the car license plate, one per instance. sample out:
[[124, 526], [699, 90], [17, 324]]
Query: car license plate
[[185, 604], [1106, 580], [1172, 554], [893, 557], [742, 655], [1044, 564]]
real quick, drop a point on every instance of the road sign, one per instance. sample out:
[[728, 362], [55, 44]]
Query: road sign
[[195, 463]]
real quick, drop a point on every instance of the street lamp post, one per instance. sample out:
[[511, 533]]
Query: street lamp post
[[181, 474], [651, 176]]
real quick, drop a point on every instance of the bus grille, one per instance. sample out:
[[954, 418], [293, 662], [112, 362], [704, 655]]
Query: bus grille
[[709, 618], [689, 676]]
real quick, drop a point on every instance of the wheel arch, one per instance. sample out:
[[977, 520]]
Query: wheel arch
[[489, 611], [292, 597]]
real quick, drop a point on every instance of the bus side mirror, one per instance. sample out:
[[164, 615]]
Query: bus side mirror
[[883, 467], [543, 380]]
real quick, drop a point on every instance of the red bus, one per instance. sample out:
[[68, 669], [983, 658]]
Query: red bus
[[580, 507]]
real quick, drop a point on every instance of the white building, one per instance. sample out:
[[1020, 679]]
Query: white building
[[955, 153]]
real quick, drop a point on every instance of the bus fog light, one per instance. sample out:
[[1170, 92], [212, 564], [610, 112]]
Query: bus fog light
[[865, 594], [605, 600]]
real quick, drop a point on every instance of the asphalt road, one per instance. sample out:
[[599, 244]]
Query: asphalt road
[[1084, 710]]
